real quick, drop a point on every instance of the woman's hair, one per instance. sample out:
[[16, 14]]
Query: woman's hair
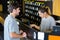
[[44, 9], [12, 6]]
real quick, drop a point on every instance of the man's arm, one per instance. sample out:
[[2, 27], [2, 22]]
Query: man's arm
[[12, 31], [14, 35]]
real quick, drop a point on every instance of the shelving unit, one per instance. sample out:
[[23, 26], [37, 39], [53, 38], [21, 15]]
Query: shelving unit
[[31, 11]]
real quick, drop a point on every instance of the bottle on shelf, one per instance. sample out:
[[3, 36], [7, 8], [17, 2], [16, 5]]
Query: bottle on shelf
[[27, 15], [37, 14], [37, 19], [36, 8]]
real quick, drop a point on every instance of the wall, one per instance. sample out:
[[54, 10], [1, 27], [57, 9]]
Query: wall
[[1, 8], [56, 7]]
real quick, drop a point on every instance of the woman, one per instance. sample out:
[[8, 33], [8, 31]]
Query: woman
[[47, 21]]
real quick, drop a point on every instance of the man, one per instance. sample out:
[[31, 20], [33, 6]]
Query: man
[[11, 29]]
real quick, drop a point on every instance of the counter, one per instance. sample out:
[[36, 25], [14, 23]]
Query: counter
[[30, 33], [58, 22]]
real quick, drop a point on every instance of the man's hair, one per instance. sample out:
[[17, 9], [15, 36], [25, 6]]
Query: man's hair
[[13, 6]]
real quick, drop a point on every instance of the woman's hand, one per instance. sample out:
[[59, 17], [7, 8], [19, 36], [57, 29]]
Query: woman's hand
[[32, 25]]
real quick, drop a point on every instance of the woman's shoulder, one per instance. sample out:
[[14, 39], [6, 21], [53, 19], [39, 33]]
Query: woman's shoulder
[[51, 18]]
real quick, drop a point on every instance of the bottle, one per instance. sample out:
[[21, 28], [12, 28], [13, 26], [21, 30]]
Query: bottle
[[37, 14], [37, 19]]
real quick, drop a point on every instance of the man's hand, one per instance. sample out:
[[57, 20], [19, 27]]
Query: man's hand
[[21, 31], [24, 34]]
